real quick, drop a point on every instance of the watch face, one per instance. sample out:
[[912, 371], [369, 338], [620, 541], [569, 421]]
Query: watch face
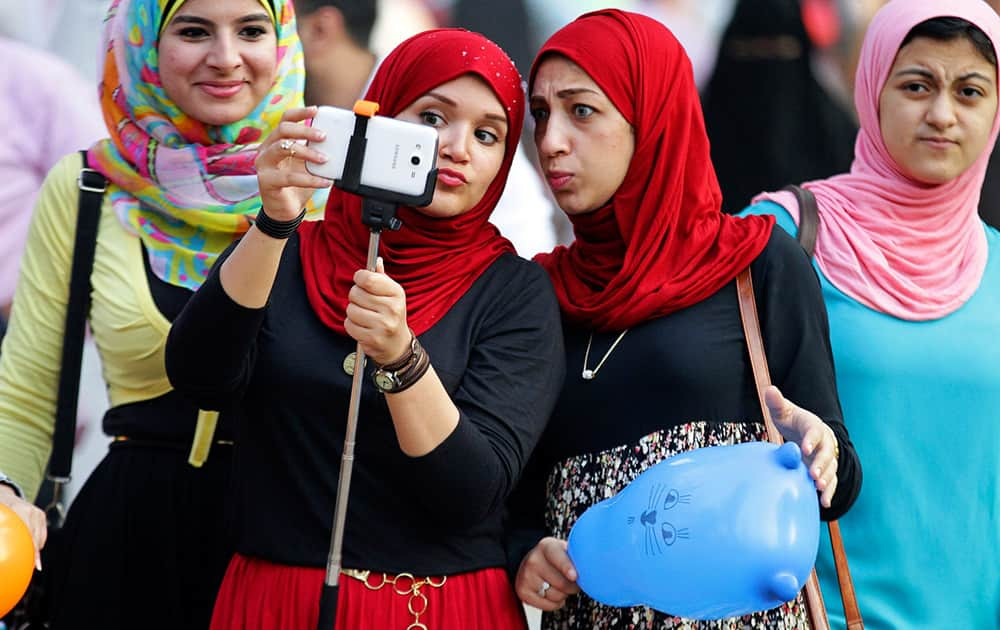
[[384, 381]]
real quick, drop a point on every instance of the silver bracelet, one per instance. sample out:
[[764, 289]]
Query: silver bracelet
[[7, 481]]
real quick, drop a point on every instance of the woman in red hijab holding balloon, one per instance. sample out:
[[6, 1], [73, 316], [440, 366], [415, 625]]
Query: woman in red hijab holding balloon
[[436, 456], [656, 356]]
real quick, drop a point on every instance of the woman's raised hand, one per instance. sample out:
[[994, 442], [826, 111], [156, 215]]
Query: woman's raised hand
[[814, 437], [33, 517], [285, 184], [376, 315], [546, 576]]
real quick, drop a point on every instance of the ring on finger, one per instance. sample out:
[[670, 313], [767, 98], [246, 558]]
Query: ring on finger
[[288, 145], [543, 589]]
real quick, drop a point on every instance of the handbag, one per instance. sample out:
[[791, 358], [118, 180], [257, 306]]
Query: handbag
[[31, 613], [816, 608]]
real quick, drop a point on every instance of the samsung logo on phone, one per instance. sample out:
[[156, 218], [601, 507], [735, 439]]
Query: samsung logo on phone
[[395, 156]]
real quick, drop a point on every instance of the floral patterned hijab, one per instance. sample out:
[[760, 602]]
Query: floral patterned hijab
[[187, 189]]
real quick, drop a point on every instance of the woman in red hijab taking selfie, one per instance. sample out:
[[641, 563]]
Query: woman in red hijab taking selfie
[[656, 355], [436, 455]]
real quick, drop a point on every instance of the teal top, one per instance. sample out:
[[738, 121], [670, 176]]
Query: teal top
[[922, 403]]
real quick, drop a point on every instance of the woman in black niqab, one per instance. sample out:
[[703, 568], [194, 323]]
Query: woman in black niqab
[[769, 119]]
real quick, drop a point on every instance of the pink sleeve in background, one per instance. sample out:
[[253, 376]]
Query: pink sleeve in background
[[49, 111]]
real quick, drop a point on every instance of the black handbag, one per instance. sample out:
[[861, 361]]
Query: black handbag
[[32, 612]]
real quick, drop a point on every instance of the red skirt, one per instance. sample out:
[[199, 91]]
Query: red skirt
[[261, 595]]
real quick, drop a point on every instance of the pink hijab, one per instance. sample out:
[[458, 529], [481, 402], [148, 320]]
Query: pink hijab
[[907, 249]]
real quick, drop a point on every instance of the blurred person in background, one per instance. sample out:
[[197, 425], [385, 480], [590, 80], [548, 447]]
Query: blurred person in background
[[336, 44], [764, 98]]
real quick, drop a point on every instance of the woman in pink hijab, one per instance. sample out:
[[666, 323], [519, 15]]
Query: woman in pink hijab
[[911, 278]]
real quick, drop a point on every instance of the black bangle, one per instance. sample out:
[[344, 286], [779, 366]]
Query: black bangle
[[7, 481], [278, 229]]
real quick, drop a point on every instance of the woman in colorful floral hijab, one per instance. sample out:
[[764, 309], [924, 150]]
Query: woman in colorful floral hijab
[[185, 186], [189, 88]]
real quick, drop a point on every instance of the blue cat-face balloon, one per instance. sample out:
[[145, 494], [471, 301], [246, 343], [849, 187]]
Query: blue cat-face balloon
[[707, 534]]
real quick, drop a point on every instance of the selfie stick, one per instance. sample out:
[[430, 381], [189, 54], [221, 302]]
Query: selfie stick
[[377, 216], [378, 212]]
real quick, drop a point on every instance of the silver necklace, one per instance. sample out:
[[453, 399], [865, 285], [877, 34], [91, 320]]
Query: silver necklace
[[589, 374]]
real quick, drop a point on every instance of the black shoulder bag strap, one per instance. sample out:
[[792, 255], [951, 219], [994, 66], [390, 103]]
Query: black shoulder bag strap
[[92, 185], [808, 217]]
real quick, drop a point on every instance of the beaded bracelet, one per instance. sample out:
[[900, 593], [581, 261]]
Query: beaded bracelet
[[278, 229]]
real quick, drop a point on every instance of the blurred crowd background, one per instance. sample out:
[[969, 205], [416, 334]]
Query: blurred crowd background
[[773, 75]]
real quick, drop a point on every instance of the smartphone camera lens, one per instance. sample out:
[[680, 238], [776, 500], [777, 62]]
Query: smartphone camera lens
[[415, 160]]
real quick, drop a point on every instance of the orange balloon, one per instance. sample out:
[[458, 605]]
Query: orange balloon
[[17, 559]]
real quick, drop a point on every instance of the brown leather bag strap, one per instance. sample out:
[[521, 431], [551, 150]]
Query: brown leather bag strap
[[762, 379], [808, 217], [852, 613], [755, 346]]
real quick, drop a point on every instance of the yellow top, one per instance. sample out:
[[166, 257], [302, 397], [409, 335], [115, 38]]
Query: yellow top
[[130, 332]]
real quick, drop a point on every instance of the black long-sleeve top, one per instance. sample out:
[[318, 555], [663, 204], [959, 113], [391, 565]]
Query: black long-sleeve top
[[681, 382], [499, 354]]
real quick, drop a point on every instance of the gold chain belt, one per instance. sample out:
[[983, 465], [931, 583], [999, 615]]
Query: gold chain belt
[[403, 584]]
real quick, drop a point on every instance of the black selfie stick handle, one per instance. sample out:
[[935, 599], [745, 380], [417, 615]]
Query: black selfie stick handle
[[328, 607], [379, 215]]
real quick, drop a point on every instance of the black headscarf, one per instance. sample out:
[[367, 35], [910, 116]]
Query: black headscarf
[[769, 120]]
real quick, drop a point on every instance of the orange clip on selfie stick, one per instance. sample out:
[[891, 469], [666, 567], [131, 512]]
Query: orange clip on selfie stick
[[365, 108]]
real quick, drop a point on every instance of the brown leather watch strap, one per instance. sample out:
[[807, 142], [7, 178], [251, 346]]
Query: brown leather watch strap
[[762, 379], [407, 357]]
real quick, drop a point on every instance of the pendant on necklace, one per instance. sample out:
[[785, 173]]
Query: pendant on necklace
[[588, 374]]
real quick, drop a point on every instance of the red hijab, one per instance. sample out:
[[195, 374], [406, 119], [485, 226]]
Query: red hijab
[[435, 260], [661, 244]]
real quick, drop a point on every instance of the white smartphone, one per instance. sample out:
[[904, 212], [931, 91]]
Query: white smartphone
[[399, 159]]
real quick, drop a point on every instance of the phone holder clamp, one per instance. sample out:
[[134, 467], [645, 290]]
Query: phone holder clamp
[[377, 214]]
